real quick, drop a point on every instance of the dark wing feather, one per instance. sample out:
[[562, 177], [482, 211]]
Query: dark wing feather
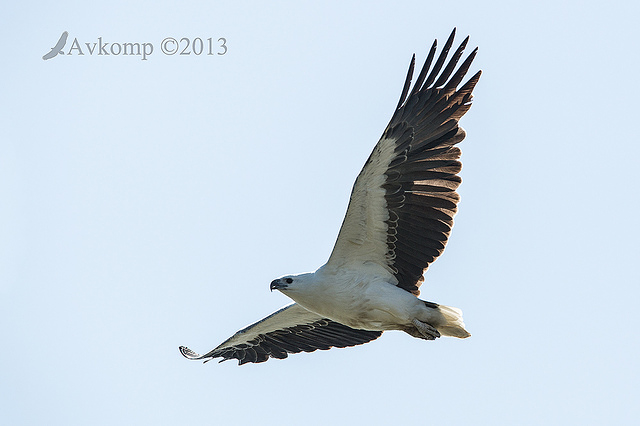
[[424, 170], [292, 329], [416, 198]]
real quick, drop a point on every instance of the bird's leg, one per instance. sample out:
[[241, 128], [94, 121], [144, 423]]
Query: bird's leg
[[427, 331]]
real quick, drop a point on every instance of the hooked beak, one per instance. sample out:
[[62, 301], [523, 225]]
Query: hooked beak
[[277, 285]]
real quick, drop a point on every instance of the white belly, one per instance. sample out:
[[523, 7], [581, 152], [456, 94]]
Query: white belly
[[361, 301]]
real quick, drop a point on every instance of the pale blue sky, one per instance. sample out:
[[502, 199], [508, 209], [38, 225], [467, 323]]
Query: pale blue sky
[[148, 204]]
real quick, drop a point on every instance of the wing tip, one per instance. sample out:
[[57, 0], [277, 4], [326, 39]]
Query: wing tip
[[189, 354]]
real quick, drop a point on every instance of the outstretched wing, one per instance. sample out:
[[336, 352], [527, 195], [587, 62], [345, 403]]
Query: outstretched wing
[[61, 41], [402, 204], [290, 330]]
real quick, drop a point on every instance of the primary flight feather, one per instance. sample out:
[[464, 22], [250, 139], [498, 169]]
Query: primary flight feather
[[398, 221]]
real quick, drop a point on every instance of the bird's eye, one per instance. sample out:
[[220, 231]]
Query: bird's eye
[[289, 280]]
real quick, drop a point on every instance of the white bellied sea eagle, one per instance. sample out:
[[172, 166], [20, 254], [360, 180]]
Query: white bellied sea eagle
[[398, 221]]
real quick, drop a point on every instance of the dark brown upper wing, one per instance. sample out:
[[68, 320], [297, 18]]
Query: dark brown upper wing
[[402, 205]]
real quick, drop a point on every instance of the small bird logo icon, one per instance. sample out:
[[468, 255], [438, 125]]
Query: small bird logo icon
[[58, 47]]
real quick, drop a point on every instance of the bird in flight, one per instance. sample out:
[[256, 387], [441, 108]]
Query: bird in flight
[[398, 221], [58, 47]]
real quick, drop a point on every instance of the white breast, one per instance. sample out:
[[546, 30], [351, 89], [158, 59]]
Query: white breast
[[363, 298]]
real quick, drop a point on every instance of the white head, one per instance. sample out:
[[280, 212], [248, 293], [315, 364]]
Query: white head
[[292, 284]]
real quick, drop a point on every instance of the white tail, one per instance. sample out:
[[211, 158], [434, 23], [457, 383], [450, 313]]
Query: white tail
[[452, 323]]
